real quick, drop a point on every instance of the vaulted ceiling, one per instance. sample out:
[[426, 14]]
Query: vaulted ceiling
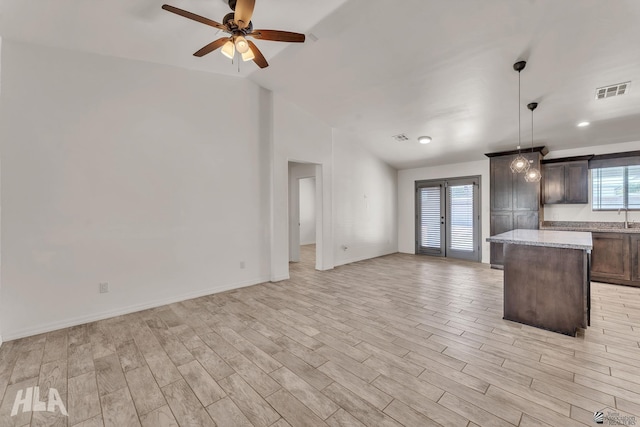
[[378, 68]]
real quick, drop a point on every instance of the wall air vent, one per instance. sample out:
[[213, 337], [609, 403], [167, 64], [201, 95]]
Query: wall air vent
[[401, 137], [613, 90]]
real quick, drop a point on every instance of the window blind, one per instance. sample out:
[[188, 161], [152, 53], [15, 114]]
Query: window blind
[[616, 188], [430, 217], [633, 187], [461, 208]]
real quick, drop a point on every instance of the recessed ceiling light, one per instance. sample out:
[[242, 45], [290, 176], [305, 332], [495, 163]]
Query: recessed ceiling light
[[583, 124], [424, 139]]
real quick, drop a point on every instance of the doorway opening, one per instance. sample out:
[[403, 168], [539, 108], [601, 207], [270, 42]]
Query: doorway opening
[[448, 218], [305, 216]]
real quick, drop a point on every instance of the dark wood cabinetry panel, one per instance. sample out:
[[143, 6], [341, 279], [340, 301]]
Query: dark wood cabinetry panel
[[566, 182], [500, 222], [527, 220], [635, 257], [501, 186], [577, 182], [546, 287], [526, 195], [610, 257], [515, 203], [553, 178]]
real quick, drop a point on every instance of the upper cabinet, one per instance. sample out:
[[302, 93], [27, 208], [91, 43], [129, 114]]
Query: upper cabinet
[[565, 181]]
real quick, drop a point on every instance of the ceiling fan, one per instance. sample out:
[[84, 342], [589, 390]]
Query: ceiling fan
[[238, 24]]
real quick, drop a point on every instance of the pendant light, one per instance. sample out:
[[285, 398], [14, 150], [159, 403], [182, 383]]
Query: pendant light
[[519, 164], [533, 174]]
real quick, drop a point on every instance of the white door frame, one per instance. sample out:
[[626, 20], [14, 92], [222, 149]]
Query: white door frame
[[305, 170]]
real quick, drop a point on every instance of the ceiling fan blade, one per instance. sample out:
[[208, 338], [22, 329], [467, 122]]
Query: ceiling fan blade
[[243, 12], [194, 17], [278, 36], [211, 47], [258, 57]]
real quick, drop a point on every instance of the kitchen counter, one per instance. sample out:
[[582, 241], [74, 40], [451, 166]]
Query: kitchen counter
[[547, 278], [590, 226], [547, 238]]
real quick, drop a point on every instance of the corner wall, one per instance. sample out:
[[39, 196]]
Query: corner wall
[[365, 202], [406, 199]]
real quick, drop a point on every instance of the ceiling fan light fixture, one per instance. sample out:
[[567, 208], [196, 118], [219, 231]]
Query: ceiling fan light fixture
[[241, 44], [248, 55], [229, 49]]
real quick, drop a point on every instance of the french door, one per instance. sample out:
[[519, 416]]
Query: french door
[[448, 218]]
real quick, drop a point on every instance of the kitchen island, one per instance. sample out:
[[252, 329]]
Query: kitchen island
[[546, 278]]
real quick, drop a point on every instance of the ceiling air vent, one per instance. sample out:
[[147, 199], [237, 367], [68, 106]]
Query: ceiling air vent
[[401, 137], [613, 90]]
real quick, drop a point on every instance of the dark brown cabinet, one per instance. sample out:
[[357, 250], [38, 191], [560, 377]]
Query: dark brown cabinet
[[615, 258], [565, 182], [634, 241], [514, 202], [610, 257]]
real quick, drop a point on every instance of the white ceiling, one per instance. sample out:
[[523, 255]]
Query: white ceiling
[[440, 67]]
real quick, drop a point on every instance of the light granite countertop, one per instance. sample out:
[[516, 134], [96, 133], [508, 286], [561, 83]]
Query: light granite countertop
[[547, 238], [592, 229]]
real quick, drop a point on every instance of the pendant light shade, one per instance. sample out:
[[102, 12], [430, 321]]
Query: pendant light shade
[[519, 164], [533, 174]]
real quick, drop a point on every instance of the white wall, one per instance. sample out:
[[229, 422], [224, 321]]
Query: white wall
[[365, 202], [583, 212], [299, 137], [137, 174], [307, 192], [406, 199], [0, 201], [145, 176]]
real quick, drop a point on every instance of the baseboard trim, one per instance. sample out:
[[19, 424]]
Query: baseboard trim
[[27, 332], [363, 258], [0, 340], [280, 278]]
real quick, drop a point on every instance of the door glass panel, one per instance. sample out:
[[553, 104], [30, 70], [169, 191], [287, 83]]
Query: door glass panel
[[461, 217], [430, 227]]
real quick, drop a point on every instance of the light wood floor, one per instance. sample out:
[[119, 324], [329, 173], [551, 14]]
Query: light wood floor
[[398, 340]]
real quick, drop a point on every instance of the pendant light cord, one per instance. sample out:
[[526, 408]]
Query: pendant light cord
[[519, 124], [531, 131]]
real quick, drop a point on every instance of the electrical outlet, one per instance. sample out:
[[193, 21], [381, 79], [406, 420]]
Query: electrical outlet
[[103, 287], [242, 265]]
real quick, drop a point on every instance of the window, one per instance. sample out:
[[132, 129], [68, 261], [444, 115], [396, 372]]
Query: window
[[616, 188]]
